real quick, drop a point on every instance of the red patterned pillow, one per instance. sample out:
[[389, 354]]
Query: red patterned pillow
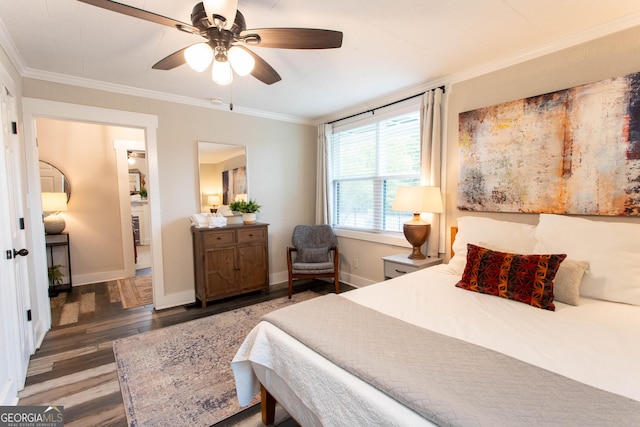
[[523, 278]]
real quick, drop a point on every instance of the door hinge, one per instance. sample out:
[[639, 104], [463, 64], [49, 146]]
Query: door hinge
[[14, 128], [9, 254], [29, 315], [21, 223]]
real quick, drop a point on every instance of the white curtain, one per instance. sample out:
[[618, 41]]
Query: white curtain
[[431, 158], [322, 185]]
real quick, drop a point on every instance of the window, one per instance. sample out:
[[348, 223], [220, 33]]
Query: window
[[368, 162]]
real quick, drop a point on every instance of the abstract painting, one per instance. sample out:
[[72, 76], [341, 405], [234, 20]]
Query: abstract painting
[[574, 151], [234, 182]]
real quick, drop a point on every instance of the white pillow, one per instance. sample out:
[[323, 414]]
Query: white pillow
[[512, 237], [612, 250]]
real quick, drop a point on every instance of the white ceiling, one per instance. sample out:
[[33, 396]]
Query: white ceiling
[[389, 47]]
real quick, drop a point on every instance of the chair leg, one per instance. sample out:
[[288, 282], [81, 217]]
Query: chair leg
[[290, 287], [337, 282]]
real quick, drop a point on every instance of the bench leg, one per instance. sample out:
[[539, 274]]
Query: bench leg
[[268, 406]]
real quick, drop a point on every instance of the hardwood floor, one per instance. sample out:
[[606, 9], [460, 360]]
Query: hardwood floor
[[75, 366]]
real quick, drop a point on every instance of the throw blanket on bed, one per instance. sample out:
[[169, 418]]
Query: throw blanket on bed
[[448, 381]]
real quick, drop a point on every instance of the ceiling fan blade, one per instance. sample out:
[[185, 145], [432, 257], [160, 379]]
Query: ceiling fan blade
[[138, 13], [262, 70], [296, 38], [172, 61]]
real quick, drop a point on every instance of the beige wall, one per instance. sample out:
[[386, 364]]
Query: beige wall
[[280, 164], [614, 55]]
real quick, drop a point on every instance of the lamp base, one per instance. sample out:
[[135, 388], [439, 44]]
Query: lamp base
[[416, 232], [54, 224]]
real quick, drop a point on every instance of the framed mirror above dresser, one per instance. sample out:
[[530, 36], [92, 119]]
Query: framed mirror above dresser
[[222, 174]]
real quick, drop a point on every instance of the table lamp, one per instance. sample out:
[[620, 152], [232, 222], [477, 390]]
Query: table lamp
[[417, 200], [54, 203], [214, 201]]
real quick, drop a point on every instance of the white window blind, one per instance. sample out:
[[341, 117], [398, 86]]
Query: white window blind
[[369, 160]]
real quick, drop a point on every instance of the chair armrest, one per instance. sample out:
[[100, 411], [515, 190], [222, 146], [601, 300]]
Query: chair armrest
[[335, 257], [290, 250]]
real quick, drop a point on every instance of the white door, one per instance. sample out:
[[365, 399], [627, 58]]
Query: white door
[[8, 313], [17, 286]]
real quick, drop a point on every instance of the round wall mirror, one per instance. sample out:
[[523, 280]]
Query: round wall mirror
[[52, 180]]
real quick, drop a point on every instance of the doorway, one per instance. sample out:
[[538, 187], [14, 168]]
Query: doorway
[[98, 219], [35, 108]]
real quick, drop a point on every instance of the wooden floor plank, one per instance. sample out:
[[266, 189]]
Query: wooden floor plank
[[75, 366], [44, 386]]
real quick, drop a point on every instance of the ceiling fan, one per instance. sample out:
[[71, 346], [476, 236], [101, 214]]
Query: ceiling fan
[[226, 40]]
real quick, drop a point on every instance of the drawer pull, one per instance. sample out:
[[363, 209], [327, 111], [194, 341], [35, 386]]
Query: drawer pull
[[400, 271]]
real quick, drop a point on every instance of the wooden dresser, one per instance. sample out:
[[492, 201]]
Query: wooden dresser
[[230, 260]]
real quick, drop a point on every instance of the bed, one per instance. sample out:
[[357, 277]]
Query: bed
[[428, 349]]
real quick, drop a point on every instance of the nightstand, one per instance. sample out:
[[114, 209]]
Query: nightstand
[[401, 264]]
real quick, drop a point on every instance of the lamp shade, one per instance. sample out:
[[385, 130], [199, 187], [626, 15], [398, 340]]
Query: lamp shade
[[241, 60], [221, 72], [418, 199], [213, 200], [54, 202], [198, 56]]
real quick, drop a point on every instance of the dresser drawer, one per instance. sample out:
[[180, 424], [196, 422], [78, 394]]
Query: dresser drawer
[[251, 235], [218, 238], [394, 269]]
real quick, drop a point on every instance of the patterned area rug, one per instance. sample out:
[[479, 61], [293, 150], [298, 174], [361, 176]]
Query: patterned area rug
[[181, 375], [135, 291]]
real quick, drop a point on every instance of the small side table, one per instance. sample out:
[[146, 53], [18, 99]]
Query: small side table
[[58, 253], [401, 264]]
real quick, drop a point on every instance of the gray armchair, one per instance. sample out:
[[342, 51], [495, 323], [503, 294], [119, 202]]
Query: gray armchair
[[314, 254]]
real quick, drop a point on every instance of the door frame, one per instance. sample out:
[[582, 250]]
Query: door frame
[[39, 108]]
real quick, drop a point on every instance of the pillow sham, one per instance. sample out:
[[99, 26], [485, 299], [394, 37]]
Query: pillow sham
[[312, 255], [523, 278], [511, 236], [566, 285], [612, 250]]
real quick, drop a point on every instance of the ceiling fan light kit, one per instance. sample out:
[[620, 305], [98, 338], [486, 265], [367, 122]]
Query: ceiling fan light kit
[[224, 28]]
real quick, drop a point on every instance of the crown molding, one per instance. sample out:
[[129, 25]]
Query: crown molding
[[160, 96], [608, 28]]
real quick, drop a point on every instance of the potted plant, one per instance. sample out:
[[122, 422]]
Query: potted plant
[[55, 275], [247, 208]]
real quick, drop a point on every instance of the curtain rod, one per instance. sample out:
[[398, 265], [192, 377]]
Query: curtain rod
[[373, 110]]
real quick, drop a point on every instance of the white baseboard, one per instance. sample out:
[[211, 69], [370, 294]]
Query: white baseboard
[[104, 276], [355, 281], [344, 277], [175, 299]]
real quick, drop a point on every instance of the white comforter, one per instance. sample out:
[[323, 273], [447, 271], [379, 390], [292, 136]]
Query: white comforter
[[597, 343]]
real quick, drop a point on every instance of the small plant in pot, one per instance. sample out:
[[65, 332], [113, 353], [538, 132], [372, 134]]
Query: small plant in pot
[[55, 275], [247, 208]]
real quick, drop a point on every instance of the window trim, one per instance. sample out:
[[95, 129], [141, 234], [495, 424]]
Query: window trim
[[384, 236]]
